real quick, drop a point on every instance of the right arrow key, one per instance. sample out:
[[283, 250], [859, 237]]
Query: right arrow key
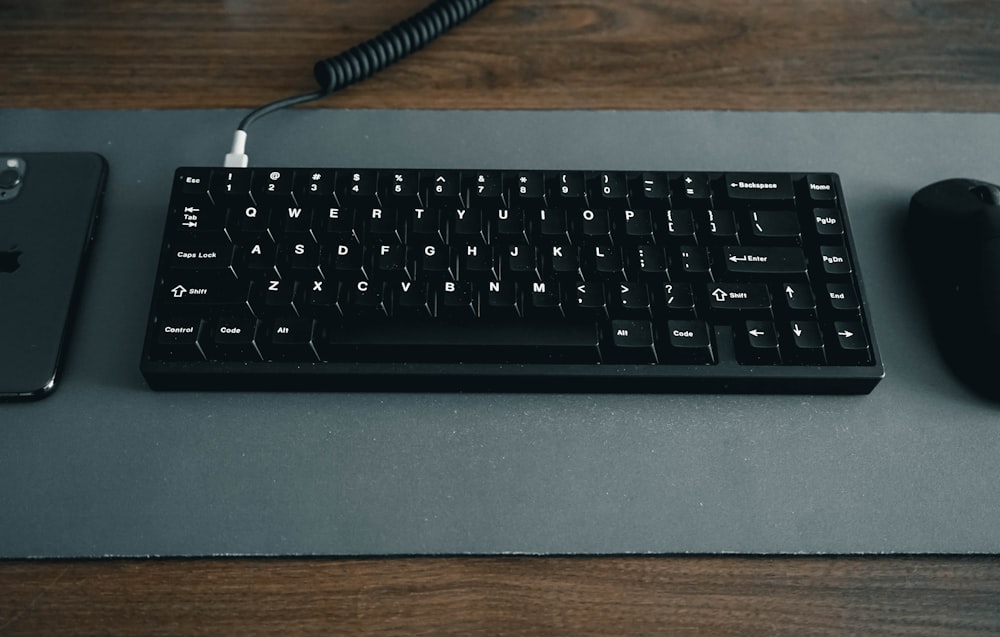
[[852, 344]]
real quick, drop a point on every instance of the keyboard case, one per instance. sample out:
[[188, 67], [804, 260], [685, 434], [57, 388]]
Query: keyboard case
[[507, 280]]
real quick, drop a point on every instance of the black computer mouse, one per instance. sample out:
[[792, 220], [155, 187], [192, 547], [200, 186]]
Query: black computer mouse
[[954, 241]]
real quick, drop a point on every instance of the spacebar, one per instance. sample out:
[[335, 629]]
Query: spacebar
[[520, 342]]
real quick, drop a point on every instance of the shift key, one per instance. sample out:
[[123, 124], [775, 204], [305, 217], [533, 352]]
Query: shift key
[[758, 186], [202, 288]]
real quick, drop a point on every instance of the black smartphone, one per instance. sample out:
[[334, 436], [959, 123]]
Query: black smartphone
[[49, 204]]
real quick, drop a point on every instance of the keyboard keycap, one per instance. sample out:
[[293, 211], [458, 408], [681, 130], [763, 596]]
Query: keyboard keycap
[[827, 222], [177, 339], [842, 297], [821, 187], [233, 338], [835, 260], [776, 225], [806, 344], [632, 342], [852, 344], [696, 187], [486, 342], [757, 343], [798, 297], [738, 296], [289, 339], [444, 189], [199, 287], [188, 256], [764, 260], [759, 186], [690, 342]]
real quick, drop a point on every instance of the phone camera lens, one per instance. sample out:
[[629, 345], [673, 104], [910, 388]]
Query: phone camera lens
[[9, 178]]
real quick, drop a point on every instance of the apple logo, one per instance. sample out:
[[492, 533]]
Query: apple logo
[[10, 260]]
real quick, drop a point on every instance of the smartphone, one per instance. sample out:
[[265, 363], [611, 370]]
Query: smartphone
[[49, 204]]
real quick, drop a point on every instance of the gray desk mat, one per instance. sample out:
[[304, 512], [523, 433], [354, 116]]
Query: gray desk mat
[[106, 467]]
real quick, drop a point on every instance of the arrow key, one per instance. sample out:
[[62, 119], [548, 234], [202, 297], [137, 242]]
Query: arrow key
[[757, 343], [852, 344], [799, 297], [804, 345]]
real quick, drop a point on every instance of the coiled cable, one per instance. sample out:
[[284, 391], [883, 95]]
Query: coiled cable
[[392, 45], [366, 59]]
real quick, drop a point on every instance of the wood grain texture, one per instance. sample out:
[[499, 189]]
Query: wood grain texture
[[519, 596], [561, 54], [550, 54]]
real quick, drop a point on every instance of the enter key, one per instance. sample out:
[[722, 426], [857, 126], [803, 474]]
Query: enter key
[[764, 260]]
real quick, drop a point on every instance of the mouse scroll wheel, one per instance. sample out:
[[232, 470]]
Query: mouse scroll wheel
[[988, 193]]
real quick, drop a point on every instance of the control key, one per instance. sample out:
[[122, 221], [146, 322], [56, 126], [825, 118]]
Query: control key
[[177, 338]]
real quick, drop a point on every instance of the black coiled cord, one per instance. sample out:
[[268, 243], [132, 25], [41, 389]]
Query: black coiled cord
[[368, 58], [408, 36]]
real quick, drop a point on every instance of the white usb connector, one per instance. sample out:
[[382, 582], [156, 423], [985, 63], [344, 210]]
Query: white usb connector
[[237, 157]]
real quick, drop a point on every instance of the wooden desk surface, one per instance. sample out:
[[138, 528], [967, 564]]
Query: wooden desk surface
[[727, 54]]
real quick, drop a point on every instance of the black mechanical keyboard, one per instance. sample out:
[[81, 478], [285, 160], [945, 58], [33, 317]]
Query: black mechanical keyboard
[[330, 279]]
